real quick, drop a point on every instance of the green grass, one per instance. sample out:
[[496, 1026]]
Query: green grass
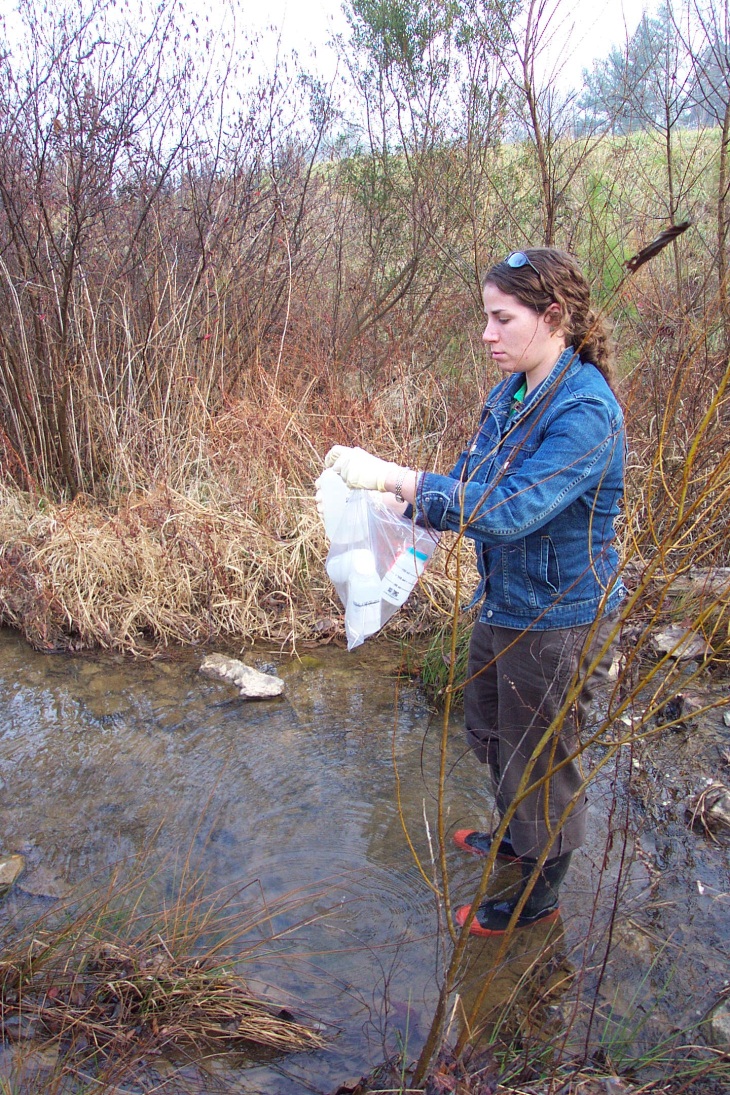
[[434, 670]]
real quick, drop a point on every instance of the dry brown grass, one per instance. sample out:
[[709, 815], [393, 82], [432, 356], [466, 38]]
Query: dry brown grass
[[163, 568], [228, 544], [168, 568], [100, 996], [117, 976]]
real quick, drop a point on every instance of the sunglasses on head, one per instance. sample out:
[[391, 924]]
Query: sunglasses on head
[[517, 259]]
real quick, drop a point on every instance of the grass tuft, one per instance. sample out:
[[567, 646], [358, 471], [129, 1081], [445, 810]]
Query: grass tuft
[[104, 984]]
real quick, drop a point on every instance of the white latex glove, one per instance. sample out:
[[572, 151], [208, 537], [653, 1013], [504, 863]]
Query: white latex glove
[[359, 469]]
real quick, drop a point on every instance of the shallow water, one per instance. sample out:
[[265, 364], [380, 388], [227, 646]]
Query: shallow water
[[107, 760]]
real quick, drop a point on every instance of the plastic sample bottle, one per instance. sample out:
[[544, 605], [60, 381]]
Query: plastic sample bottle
[[404, 573], [363, 612], [334, 493], [339, 567]]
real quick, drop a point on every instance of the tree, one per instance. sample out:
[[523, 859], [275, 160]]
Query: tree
[[648, 84], [543, 112], [711, 64], [154, 223], [428, 97]]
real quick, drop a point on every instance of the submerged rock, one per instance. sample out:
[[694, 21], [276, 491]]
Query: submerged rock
[[45, 885], [710, 809], [718, 1026], [251, 684], [26, 1069], [11, 868]]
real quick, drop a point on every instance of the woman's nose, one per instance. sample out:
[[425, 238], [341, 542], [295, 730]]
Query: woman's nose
[[490, 335]]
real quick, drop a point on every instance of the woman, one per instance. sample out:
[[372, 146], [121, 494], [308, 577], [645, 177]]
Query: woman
[[538, 490]]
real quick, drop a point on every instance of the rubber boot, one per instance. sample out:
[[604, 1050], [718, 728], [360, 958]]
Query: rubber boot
[[470, 840], [541, 907]]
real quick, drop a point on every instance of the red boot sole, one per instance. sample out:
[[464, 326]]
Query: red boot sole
[[475, 927], [459, 839]]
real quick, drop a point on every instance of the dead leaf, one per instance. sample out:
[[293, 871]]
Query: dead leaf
[[353, 1087]]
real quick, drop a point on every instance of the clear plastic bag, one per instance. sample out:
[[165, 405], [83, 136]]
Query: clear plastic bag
[[376, 557]]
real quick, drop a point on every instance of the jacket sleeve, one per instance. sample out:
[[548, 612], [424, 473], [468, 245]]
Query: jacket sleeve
[[578, 447], [415, 513]]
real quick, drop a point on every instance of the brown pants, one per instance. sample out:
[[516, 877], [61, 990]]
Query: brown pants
[[517, 681]]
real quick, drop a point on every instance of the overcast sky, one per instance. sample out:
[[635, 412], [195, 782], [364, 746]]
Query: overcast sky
[[597, 25]]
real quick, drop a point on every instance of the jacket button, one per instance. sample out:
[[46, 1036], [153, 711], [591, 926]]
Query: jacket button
[[490, 614]]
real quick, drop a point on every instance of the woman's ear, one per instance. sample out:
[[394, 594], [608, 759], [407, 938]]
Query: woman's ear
[[553, 316]]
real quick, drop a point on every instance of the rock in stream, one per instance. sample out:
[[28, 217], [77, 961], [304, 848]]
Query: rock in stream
[[251, 684], [11, 868]]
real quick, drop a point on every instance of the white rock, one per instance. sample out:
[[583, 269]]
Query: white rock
[[617, 666], [11, 868], [681, 643], [250, 683], [719, 1026]]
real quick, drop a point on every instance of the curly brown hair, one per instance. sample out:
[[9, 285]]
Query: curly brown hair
[[554, 277]]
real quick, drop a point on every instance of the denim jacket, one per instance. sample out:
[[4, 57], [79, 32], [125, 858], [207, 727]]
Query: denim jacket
[[538, 491]]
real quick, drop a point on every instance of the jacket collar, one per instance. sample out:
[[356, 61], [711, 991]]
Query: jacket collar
[[567, 365]]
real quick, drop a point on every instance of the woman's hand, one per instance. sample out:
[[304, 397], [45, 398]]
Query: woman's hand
[[390, 502], [360, 469]]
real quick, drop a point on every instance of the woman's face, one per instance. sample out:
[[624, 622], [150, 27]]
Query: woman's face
[[520, 340]]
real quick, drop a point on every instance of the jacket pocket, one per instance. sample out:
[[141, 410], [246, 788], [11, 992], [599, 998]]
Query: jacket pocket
[[518, 589], [549, 566]]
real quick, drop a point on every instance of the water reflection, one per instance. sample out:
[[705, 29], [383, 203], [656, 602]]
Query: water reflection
[[511, 992]]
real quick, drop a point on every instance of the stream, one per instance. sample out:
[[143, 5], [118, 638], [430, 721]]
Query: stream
[[291, 807]]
